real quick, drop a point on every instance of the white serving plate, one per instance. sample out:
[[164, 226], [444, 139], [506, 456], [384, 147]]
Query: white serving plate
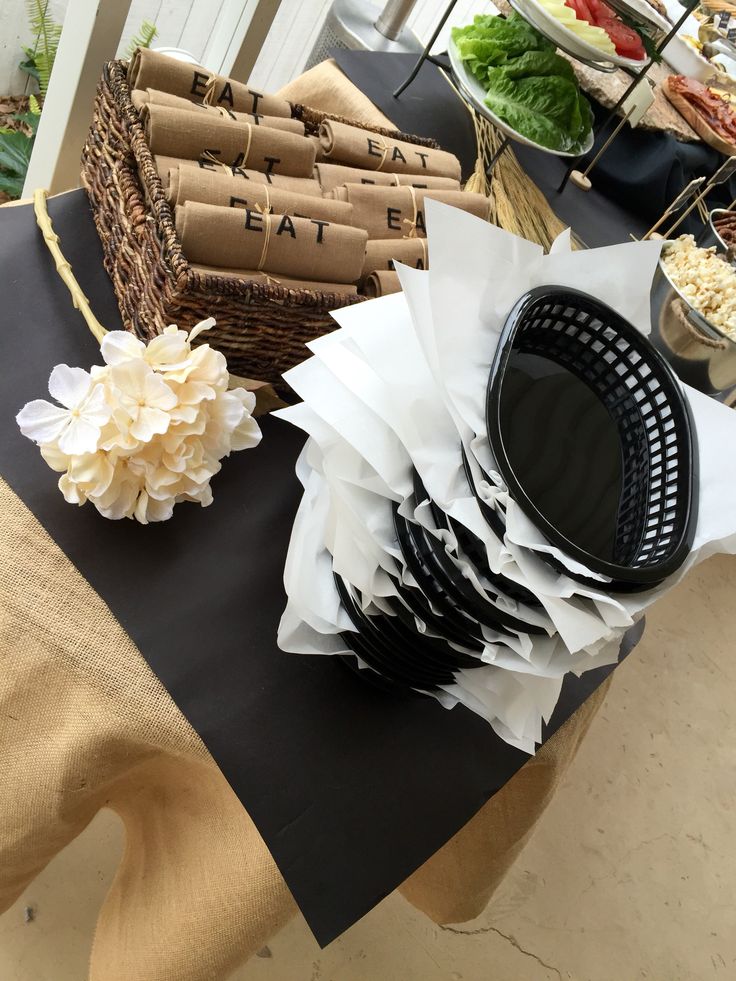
[[562, 36], [475, 94]]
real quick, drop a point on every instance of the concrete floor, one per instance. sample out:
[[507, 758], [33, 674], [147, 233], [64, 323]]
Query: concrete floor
[[631, 875]]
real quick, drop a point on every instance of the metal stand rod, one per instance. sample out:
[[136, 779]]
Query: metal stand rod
[[425, 53], [608, 142], [636, 78]]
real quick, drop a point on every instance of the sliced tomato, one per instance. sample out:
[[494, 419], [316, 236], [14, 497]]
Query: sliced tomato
[[599, 9], [625, 40], [582, 10]]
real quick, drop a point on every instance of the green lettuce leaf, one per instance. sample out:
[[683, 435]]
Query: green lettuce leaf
[[546, 110]]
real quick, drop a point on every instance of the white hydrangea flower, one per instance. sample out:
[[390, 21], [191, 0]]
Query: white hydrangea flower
[[147, 429], [76, 427]]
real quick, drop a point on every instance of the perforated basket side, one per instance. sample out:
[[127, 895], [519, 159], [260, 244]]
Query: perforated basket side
[[644, 400]]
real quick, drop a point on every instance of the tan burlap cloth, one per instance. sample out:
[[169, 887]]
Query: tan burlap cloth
[[381, 282], [180, 133], [331, 176], [344, 144], [139, 97], [226, 190], [299, 185], [302, 248], [381, 252], [84, 724], [398, 212]]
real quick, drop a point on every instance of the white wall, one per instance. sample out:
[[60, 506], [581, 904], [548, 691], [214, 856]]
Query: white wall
[[189, 23]]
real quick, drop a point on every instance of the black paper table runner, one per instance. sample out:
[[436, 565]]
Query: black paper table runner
[[351, 789]]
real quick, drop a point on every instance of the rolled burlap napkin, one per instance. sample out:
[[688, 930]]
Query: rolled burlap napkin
[[190, 184], [222, 91], [181, 133], [331, 176], [318, 151], [380, 254], [140, 97], [153, 70], [381, 283], [342, 289], [395, 212], [372, 151], [299, 185], [301, 248]]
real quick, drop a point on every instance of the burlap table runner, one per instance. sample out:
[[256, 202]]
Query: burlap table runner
[[371, 151], [381, 282], [226, 190], [153, 70], [380, 254], [179, 133], [396, 212], [141, 97], [299, 185], [85, 724], [302, 248], [342, 289], [331, 176]]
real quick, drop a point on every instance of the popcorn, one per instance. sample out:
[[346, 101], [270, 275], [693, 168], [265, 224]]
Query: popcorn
[[706, 281], [146, 430]]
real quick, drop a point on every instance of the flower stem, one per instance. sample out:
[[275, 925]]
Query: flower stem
[[43, 219]]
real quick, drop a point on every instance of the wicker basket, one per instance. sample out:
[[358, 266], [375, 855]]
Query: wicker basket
[[261, 328]]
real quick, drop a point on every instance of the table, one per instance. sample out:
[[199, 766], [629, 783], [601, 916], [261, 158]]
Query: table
[[88, 723]]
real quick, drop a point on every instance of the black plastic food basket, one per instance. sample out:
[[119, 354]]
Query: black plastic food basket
[[658, 502]]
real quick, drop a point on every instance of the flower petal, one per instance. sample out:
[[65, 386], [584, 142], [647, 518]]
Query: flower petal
[[57, 460], [201, 326], [79, 437], [42, 421], [150, 422], [96, 408], [130, 378], [119, 346], [69, 386], [158, 393]]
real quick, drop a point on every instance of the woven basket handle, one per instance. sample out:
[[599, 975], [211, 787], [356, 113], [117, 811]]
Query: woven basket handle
[[680, 312]]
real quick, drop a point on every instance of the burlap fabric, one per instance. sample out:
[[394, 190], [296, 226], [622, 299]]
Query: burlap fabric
[[381, 252], [153, 70], [139, 97], [228, 191], [179, 133], [302, 248], [398, 212], [84, 724], [381, 282], [343, 289], [331, 176], [299, 185], [344, 144]]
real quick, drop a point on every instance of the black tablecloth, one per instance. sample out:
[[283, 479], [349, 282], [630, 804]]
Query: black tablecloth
[[640, 173], [350, 788]]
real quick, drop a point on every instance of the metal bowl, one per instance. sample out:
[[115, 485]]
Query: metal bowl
[[709, 236], [699, 353]]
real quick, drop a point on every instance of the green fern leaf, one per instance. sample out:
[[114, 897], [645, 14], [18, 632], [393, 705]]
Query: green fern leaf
[[143, 39], [47, 34]]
